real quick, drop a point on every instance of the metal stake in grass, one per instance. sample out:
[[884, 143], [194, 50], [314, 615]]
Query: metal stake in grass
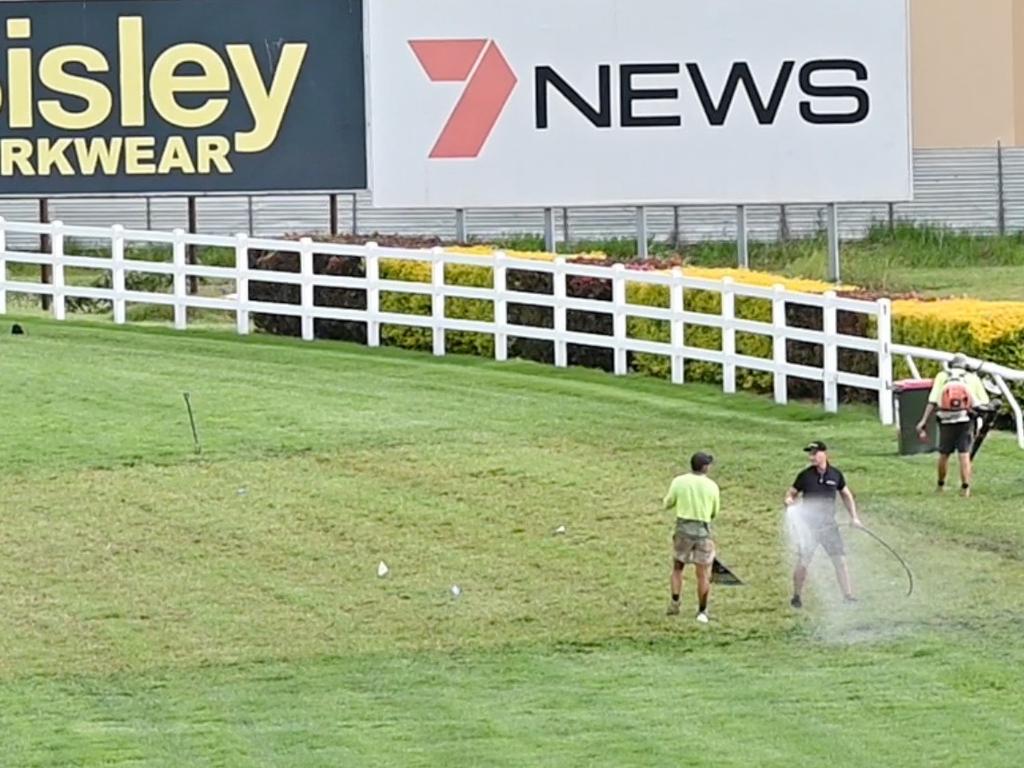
[[192, 421]]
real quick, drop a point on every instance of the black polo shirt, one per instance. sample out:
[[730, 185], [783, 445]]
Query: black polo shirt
[[820, 487]]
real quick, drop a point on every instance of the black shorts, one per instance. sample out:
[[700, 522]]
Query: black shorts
[[956, 437]]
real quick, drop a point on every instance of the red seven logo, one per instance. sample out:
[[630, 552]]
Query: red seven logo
[[490, 84]]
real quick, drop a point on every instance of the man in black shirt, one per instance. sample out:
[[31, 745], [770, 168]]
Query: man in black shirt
[[813, 521]]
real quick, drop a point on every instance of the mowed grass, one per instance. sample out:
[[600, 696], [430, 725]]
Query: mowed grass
[[162, 608]]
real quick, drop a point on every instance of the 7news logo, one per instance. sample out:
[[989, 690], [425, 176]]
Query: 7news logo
[[489, 84], [490, 81]]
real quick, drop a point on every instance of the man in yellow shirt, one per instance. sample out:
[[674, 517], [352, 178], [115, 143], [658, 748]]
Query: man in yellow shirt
[[695, 499], [955, 394]]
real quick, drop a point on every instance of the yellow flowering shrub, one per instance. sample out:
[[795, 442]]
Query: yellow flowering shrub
[[991, 330]]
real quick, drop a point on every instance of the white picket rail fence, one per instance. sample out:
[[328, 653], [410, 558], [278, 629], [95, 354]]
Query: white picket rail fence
[[678, 282]]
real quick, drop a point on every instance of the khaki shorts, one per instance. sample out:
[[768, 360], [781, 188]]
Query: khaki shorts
[[691, 550]]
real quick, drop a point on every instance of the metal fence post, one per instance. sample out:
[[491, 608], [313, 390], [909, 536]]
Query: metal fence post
[[372, 296], [242, 283], [885, 382], [559, 291], [307, 296], [3, 266], [728, 336], [180, 292], [437, 301], [500, 308], [780, 381], [57, 249], [117, 273], [619, 325], [678, 332], [830, 352]]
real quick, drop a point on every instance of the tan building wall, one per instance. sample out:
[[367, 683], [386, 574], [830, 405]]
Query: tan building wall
[[967, 72]]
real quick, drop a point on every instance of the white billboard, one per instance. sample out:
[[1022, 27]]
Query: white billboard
[[477, 103]]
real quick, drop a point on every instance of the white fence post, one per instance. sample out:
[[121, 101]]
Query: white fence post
[[676, 304], [831, 353], [117, 273], [781, 384], [728, 336], [885, 405], [306, 295], [619, 329], [500, 308], [561, 348], [3, 266], [180, 296], [242, 283], [372, 296], [57, 249], [437, 301]]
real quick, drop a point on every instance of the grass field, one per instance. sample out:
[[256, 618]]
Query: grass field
[[159, 608]]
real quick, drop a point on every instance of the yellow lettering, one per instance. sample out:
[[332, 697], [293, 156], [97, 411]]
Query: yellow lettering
[[95, 94], [19, 70], [164, 84], [106, 153], [51, 153], [138, 155], [213, 151], [176, 157], [133, 82], [268, 106], [19, 29], [16, 154]]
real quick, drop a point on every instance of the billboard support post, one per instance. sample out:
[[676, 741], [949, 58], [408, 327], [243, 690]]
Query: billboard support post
[[460, 226], [549, 230], [190, 252], [45, 271], [641, 232], [743, 253], [834, 272]]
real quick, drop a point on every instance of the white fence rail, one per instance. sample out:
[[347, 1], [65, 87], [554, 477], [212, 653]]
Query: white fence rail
[[499, 294], [676, 313]]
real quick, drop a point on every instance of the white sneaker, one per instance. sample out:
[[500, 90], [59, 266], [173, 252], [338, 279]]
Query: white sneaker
[[702, 618]]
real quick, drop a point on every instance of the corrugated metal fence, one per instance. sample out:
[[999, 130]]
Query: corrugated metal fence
[[955, 188]]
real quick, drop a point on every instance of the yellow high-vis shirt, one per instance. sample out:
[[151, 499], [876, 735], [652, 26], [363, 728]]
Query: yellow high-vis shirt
[[694, 497]]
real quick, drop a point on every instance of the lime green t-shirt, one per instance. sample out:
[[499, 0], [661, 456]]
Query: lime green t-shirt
[[694, 497], [974, 386]]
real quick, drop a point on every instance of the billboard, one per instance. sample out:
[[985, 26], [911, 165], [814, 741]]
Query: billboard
[[131, 96], [593, 102]]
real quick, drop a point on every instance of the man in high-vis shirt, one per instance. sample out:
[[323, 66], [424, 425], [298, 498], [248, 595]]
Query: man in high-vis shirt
[[955, 395], [695, 499]]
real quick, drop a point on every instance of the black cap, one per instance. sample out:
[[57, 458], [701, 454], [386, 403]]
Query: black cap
[[815, 447], [701, 461]]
